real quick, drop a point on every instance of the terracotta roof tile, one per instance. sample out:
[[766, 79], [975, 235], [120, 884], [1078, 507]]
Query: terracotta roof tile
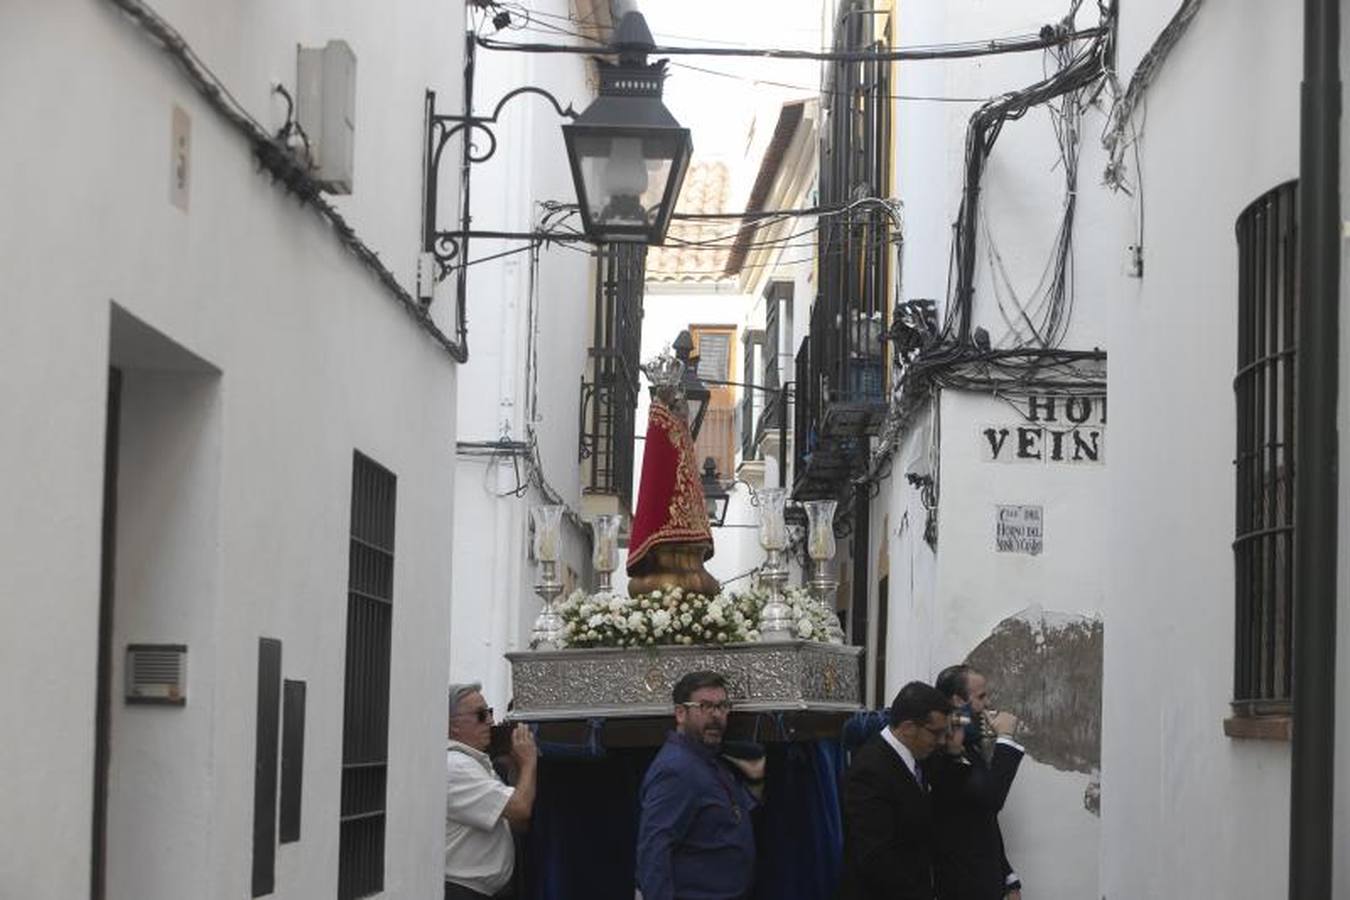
[[682, 260]]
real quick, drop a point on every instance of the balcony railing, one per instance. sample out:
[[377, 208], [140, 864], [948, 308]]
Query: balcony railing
[[841, 371], [609, 396], [608, 410]]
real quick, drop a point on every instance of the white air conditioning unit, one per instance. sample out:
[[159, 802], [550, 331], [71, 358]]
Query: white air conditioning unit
[[326, 110]]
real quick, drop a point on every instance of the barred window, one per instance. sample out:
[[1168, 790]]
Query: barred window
[[365, 724], [1263, 550], [609, 398]]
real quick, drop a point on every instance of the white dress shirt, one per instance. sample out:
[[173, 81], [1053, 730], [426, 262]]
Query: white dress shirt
[[479, 852], [906, 757]]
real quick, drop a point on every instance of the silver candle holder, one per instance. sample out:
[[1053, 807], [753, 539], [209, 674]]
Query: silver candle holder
[[548, 625], [820, 545], [775, 619]]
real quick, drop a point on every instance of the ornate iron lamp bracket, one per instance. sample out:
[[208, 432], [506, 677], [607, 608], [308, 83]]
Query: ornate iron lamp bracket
[[446, 247]]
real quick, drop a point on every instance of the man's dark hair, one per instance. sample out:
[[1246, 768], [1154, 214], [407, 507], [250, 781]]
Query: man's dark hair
[[685, 687], [955, 680], [916, 700]]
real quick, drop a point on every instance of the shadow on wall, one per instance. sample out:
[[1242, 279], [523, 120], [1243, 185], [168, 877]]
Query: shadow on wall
[[1046, 667]]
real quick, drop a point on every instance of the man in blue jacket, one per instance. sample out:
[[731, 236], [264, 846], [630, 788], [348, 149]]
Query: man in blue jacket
[[695, 839]]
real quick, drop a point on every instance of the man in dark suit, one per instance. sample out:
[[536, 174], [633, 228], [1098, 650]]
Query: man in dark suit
[[888, 818], [969, 784]]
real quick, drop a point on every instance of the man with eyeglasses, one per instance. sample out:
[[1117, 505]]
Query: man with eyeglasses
[[481, 811], [888, 816], [695, 838]]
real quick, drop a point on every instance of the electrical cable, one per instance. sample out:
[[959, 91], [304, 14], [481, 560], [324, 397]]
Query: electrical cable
[[991, 47], [1122, 110], [824, 93], [283, 165]]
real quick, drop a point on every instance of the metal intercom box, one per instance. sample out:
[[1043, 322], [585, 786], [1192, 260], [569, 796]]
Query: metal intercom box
[[156, 673]]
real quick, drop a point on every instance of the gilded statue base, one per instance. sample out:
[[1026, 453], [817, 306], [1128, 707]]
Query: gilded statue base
[[669, 566]]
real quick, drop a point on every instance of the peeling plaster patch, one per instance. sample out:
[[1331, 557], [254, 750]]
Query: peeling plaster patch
[[1046, 668], [1092, 796]]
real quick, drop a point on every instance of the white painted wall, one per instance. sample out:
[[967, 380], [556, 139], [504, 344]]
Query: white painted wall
[[1221, 129], [531, 329], [898, 522], [235, 507], [943, 603]]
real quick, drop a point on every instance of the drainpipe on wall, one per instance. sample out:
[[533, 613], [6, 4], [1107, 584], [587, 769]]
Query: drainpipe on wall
[[1315, 476]]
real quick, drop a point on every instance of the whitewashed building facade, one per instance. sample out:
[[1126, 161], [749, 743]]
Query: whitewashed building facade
[[228, 455]]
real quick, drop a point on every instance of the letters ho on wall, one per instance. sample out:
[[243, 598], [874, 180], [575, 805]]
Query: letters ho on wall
[[1057, 429]]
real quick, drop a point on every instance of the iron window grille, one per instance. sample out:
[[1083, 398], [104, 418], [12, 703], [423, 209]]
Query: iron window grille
[[609, 399], [365, 725], [777, 333], [1265, 386], [753, 349], [846, 399], [804, 430]]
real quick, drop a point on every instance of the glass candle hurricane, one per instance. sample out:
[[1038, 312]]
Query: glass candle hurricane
[[605, 556], [820, 529], [772, 527], [547, 532]]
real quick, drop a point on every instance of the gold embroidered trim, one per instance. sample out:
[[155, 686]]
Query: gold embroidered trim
[[687, 514]]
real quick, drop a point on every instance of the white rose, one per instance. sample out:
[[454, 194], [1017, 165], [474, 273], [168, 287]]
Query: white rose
[[660, 619], [805, 629], [686, 619], [596, 620], [635, 621]]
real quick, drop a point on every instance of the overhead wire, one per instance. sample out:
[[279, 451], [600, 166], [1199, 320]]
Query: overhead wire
[[822, 92], [987, 47]]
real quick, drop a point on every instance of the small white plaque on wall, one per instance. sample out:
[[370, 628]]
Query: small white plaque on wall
[[1018, 529]]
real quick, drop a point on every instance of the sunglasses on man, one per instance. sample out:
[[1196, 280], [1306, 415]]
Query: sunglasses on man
[[482, 714]]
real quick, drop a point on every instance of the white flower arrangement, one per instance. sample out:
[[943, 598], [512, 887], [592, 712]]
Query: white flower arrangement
[[811, 619], [662, 618], [654, 619]]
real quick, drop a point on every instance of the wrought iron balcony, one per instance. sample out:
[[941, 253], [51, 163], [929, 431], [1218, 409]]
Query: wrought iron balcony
[[609, 396]]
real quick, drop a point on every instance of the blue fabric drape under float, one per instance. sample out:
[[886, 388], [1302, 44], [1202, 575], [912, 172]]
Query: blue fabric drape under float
[[583, 834]]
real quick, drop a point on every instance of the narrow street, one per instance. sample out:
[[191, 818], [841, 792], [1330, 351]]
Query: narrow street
[[673, 449]]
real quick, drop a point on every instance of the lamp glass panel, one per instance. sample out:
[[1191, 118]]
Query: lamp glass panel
[[625, 177]]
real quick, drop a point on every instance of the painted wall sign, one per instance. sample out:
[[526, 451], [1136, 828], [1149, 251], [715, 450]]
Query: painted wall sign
[[1017, 529], [1069, 430]]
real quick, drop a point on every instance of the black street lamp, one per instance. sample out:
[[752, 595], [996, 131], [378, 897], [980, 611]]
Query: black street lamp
[[715, 495], [696, 393], [628, 157], [628, 153]]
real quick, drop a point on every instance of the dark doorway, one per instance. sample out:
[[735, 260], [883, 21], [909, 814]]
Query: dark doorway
[[103, 699]]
